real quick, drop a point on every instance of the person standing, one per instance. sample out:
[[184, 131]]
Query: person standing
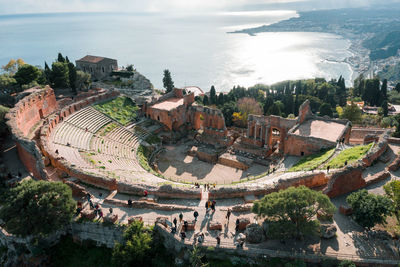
[[110, 210], [228, 214], [180, 217], [185, 225], [175, 221], [195, 214], [237, 225]]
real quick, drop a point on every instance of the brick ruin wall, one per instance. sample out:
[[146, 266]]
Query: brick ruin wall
[[60, 163], [210, 119], [27, 113], [359, 134], [305, 145]]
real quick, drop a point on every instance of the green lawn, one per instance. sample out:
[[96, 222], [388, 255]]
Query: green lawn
[[121, 109], [311, 162], [350, 155]]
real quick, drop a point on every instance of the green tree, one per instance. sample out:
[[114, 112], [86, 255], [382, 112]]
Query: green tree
[[291, 212], [383, 94], [83, 80], [167, 81], [269, 101], [37, 207], [392, 190], [220, 99], [385, 108], [341, 91], [325, 110], [213, 95], [196, 256], [369, 209], [7, 82], [205, 100], [60, 75], [135, 248], [27, 74], [227, 110], [60, 58], [72, 76], [352, 113], [397, 88], [274, 110]]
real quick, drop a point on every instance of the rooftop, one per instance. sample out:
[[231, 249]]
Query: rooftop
[[169, 104], [194, 89], [93, 59], [328, 130]]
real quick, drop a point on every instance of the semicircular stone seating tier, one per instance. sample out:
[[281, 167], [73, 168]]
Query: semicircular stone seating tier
[[115, 151]]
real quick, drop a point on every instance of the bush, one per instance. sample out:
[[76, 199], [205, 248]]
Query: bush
[[135, 248]]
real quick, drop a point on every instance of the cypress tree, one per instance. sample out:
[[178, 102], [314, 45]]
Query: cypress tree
[[205, 100], [167, 81], [213, 95], [60, 58]]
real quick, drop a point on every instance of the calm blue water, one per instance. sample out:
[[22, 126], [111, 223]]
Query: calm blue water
[[196, 48]]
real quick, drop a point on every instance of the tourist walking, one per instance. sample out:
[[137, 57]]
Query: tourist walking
[[185, 225], [175, 221], [213, 206], [91, 204], [145, 193], [237, 225], [130, 203], [228, 214], [218, 240], [183, 236], [180, 217], [88, 196], [206, 206], [110, 210], [195, 214]]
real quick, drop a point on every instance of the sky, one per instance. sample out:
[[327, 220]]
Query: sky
[[194, 6]]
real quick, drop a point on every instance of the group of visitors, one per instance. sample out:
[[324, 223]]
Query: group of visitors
[[206, 186]]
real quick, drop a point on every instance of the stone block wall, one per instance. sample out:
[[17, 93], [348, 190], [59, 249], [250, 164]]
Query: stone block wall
[[306, 145]]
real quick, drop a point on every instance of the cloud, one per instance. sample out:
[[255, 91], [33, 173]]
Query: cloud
[[47, 6]]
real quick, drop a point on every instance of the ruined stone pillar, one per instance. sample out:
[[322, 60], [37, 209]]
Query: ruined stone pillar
[[267, 137], [255, 132]]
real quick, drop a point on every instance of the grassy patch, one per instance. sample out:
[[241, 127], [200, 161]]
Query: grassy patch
[[67, 253], [143, 154], [107, 129], [350, 155], [312, 162], [121, 109]]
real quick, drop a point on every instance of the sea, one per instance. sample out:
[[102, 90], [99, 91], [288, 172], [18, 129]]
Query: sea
[[197, 48]]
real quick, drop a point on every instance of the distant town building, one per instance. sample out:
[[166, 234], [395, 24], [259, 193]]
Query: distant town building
[[98, 67]]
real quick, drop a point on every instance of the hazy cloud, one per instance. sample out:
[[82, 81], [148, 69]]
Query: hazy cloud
[[40, 6]]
